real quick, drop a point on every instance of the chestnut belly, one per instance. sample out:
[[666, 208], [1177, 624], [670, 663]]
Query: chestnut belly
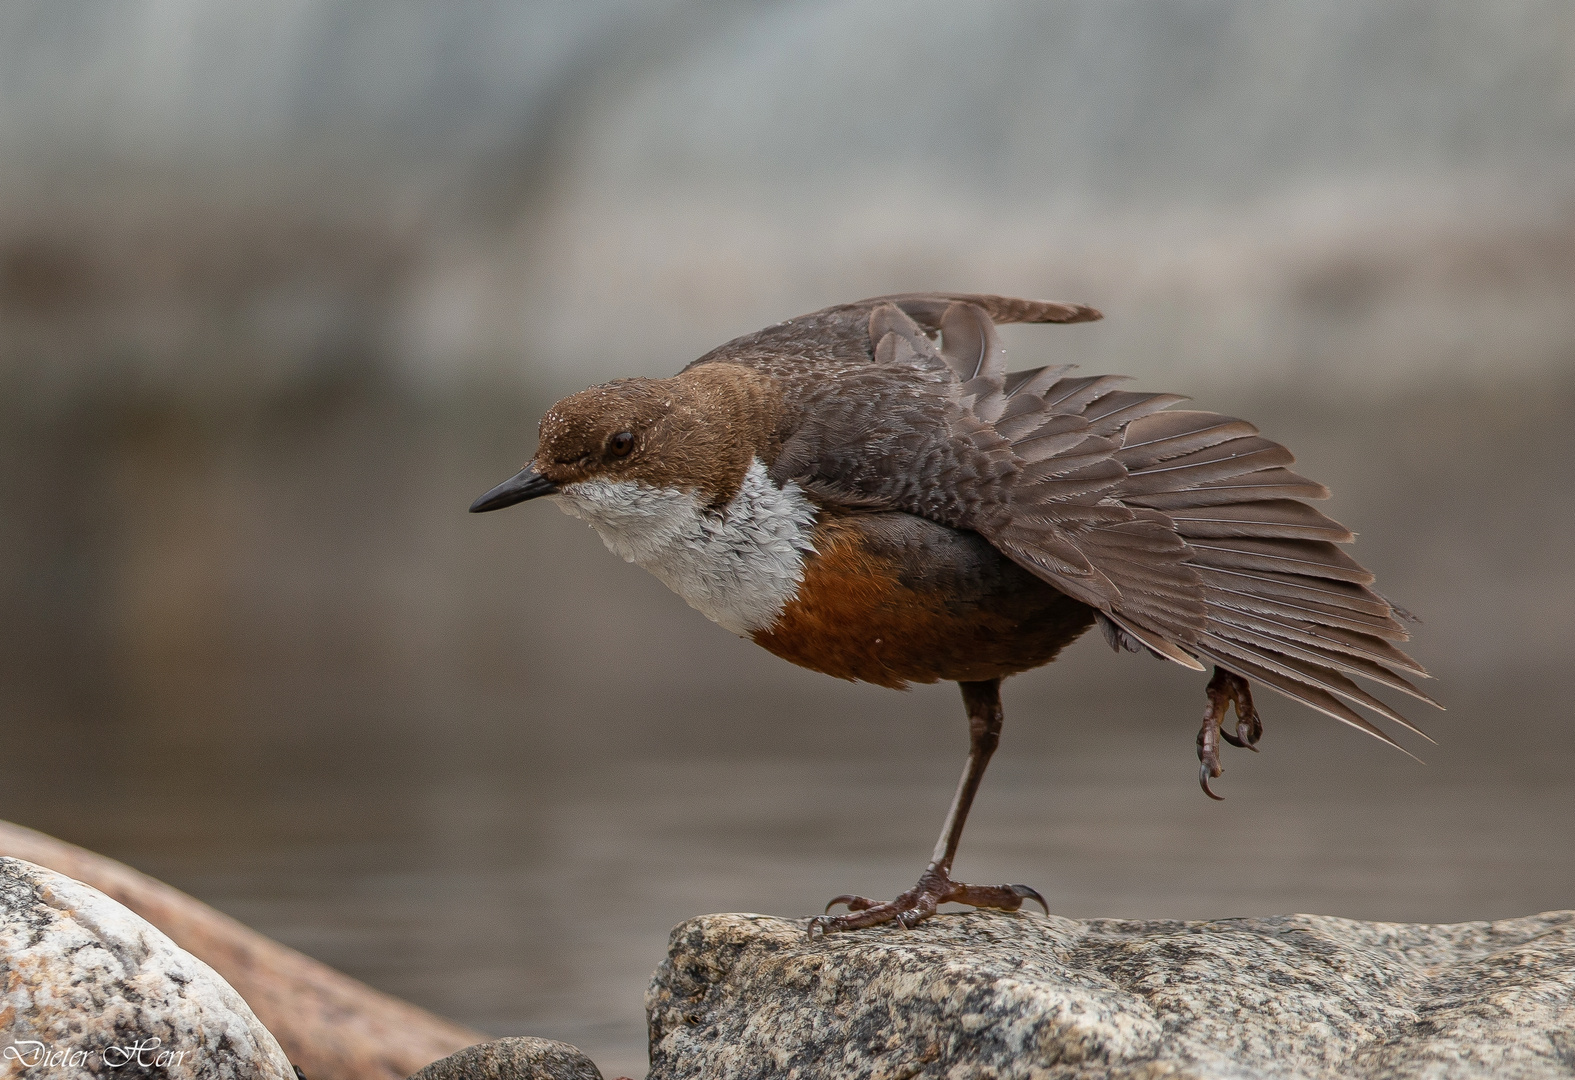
[[892, 599]]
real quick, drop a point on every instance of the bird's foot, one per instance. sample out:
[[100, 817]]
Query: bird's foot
[[934, 888], [1226, 690]]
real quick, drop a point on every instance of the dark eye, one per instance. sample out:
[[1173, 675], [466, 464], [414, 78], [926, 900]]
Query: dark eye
[[621, 443]]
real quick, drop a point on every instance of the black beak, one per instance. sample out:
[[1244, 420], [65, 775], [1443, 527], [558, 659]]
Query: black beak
[[525, 484]]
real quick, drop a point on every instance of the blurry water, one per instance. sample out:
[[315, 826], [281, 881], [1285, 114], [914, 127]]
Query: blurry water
[[484, 765]]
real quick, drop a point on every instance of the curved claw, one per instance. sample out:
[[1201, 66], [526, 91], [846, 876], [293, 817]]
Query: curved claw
[[854, 902], [1247, 734], [1203, 781], [1029, 893], [1250, 730], [913, 916]]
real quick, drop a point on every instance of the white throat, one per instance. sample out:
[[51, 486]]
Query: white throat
[[738, 566]]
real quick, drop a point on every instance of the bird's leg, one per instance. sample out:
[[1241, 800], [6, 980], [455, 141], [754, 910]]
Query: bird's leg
[[935, 886], [1226, 689]]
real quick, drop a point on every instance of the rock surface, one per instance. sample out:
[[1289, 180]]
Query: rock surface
[[513, 1059], [88, 988], [991, 995], [331, 1026]]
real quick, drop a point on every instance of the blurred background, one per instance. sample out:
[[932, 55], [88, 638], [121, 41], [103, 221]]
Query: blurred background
[[283, 286]]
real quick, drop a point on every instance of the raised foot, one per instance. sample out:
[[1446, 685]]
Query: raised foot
[[934, 888], [1226, 690]]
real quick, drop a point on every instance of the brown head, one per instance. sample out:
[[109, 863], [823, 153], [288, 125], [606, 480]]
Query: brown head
[[697, 431]]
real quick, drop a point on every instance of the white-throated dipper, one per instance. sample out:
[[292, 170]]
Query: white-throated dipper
[[868, 492]]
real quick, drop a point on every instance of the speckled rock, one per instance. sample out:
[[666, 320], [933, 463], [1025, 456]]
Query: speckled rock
[[89, 989], [513, 1059], [990, 995]]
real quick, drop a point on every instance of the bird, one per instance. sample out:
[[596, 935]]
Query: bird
[[867, 491]]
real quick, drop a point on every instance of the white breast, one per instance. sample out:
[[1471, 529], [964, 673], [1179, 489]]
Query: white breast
[[738, 566]]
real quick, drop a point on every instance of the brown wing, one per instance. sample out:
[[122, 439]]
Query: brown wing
[[1222, 559], [1284, 604], [1184, 530]]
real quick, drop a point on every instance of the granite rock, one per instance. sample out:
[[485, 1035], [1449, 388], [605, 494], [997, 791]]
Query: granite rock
[[518, 1058], [89, 989], [992, 995]]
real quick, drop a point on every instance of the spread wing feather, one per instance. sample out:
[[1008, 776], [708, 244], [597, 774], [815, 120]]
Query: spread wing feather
[[1269, 483], [1272, 600], [1186, 531], [1281, 597], [1033, 383]]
